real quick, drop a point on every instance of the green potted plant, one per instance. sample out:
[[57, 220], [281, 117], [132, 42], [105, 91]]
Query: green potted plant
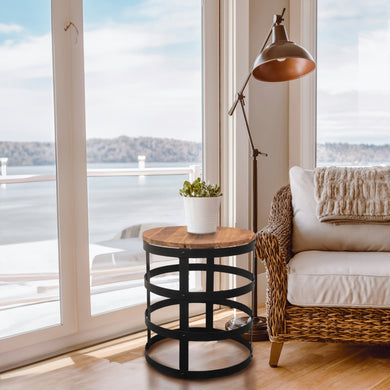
[[201, 206]]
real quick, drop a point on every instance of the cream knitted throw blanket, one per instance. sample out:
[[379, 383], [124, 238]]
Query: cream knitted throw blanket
[[352, 195]]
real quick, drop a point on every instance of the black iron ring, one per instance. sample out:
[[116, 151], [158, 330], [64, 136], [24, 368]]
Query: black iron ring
[[210, 296], [199, 253], [193, 335], [201, 374]]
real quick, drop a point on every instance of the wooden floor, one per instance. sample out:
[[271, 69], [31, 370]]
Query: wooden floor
[[120, 364]]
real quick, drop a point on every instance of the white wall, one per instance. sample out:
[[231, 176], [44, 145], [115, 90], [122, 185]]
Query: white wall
[[268, 111]]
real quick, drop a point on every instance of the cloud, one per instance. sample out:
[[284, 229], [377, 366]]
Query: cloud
[[26, 90], [361, 66], [166, 15], [140, 80], [353, 90], [353, 117], [26, 114], [27, 59], [10, 28], [338, 11], [134, 87]]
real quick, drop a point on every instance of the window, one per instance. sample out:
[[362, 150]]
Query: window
[[353, 87], [143, 109], [29, 260], [143, 81]]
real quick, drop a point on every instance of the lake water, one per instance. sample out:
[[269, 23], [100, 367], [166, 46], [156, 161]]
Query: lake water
[[29, 247], [28, 210]]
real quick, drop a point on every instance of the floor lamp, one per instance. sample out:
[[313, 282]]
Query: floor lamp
[[282, 60]]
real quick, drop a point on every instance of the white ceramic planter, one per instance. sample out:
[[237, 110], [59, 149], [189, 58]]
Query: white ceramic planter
[[201, 214]]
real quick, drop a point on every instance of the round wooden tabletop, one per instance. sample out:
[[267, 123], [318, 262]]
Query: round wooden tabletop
[[178, 237]]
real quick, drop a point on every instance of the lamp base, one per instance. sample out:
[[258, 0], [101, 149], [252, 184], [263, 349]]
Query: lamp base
[[259, 329]]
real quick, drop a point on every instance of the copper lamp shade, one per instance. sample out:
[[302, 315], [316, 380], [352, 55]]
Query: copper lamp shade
[[282, 60]]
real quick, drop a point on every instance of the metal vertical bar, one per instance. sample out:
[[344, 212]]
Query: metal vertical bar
[[148, 292], [254, 300], [183, 277], [209, 289], [254, 269]]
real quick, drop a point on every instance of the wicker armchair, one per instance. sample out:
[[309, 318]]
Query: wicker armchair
[[288, 322]]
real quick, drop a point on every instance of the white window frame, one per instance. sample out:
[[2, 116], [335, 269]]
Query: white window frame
[[79, 328], [15, 349], [302, 92], [235, 152], [235, 161], [211, 82]]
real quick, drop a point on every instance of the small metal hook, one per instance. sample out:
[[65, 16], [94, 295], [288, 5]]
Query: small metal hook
[[66, 28]]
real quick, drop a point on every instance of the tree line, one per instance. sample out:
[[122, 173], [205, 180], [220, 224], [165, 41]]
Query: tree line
[[353, 154], [127, 149], [120, 149]]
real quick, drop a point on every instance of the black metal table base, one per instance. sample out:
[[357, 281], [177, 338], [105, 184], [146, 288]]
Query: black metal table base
[[183, 297], [198, 374]]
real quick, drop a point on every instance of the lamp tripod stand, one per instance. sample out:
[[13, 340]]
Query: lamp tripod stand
[[282, 60]]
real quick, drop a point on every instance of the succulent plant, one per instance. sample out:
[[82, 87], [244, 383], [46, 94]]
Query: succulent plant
[[200, 189]]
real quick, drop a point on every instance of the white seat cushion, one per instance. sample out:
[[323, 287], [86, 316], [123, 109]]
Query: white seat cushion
[[311, 234], [349, 279]]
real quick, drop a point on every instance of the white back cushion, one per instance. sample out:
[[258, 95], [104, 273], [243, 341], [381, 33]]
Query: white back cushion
[[311, 234]]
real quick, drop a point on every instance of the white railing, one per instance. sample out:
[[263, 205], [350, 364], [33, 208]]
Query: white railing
[[102, 280], [192, 171]]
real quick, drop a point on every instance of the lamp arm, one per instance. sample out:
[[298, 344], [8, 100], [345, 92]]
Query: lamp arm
[[241, 91], [242, 103], [255, 152], [234, 105]]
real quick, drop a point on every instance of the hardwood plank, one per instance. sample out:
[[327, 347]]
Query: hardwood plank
[[177, 237], [382, 385], [120, 364]]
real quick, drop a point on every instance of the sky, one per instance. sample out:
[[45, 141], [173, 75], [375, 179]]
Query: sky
[[142, 69], [352, 71]]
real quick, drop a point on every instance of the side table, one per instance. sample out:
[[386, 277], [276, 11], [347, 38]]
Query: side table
[[174, 241]]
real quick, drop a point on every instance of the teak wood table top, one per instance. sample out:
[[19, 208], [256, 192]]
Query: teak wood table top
[[178, 237]]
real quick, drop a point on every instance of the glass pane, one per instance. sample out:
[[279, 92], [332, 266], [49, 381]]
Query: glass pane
[[143, 109], [353, 89], [29, 269]]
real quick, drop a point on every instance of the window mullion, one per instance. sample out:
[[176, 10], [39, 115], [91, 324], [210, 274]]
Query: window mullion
[[79, 165]]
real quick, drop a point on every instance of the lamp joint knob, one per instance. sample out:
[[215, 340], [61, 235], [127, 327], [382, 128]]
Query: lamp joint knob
[[278, 19]]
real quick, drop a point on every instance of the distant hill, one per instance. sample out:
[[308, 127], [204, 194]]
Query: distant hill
[[121, 149], [353, 154], [126, 149]]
